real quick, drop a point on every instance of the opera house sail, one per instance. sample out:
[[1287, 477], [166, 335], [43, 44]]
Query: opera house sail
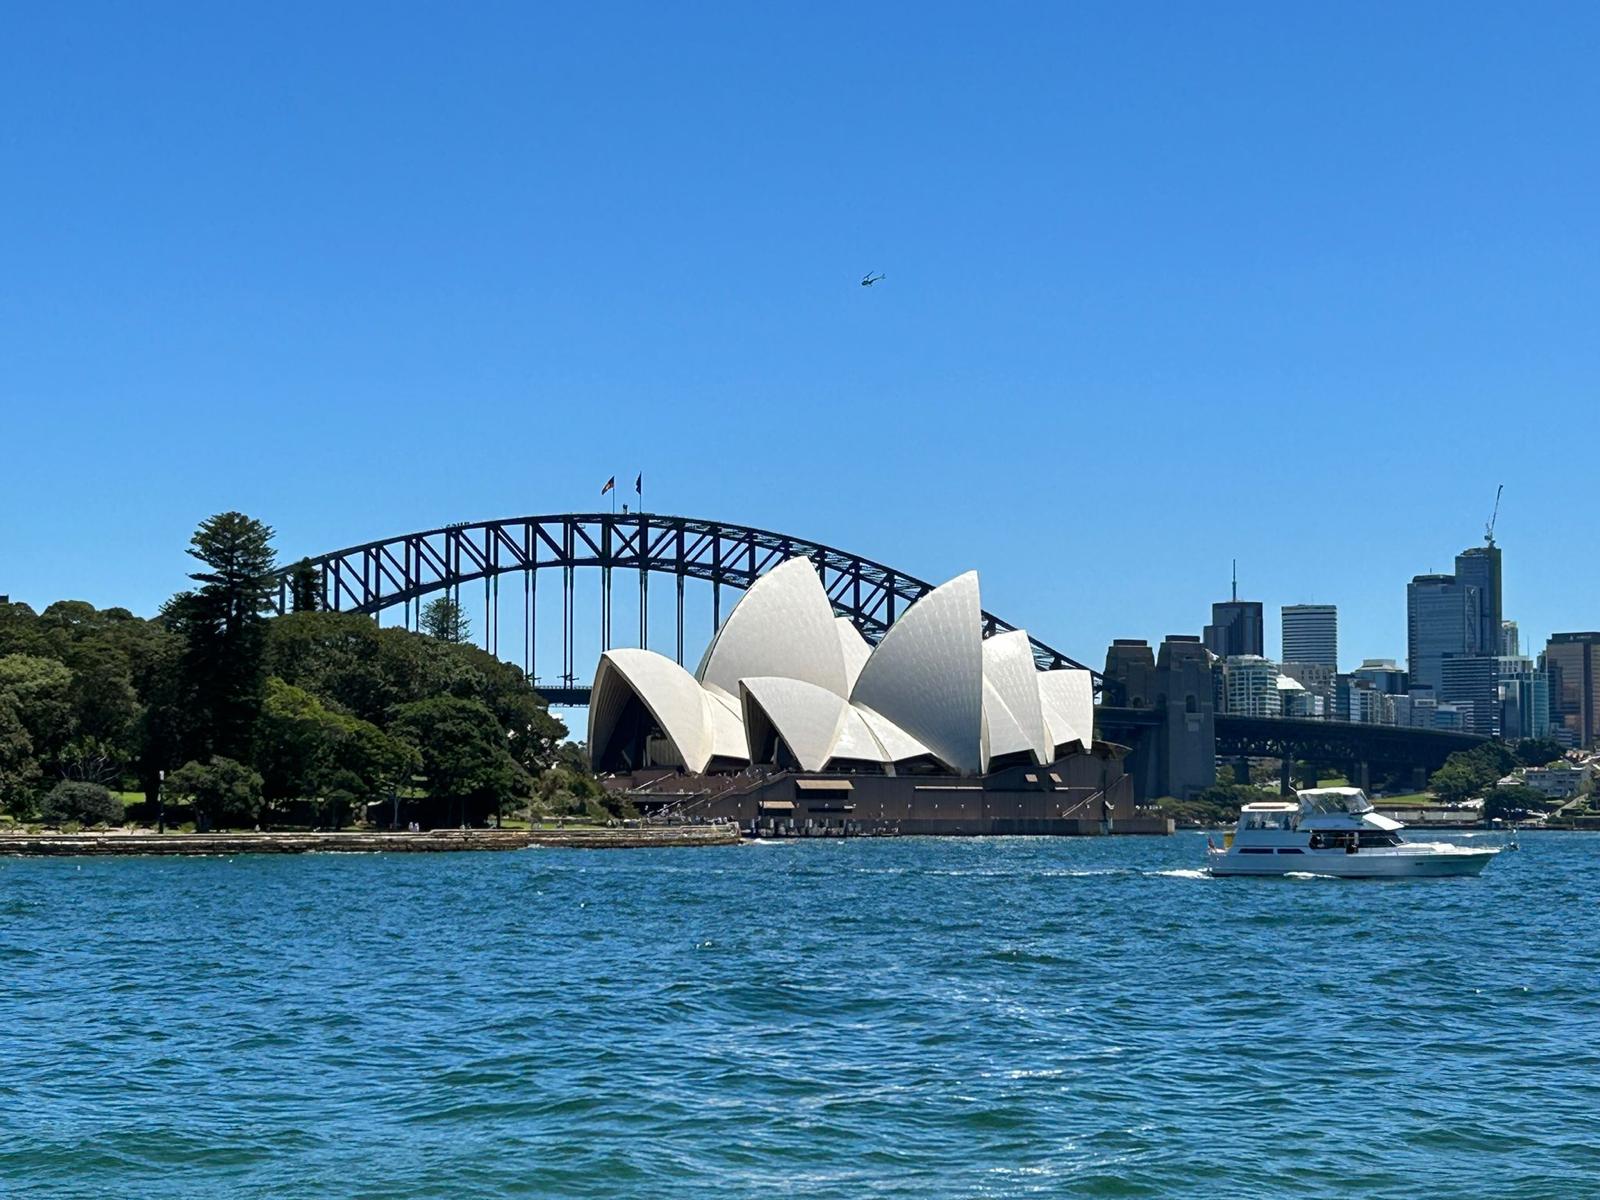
[[788, 690]]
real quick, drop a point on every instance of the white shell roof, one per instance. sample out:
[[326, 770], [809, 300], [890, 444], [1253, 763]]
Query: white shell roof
[[898, 745], [807, 717], [855, 648], [1067, 697], [1008, 667], [1001, 733], [926, 675], [725, 725], [932, 687], [782, 626], [857, 741], [671, 694]]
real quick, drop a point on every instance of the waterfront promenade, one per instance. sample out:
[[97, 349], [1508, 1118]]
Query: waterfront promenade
[[364, 842]]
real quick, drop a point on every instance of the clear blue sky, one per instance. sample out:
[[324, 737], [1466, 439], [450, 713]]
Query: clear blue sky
[[1165, 288]]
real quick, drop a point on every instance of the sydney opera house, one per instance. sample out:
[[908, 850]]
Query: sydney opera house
[[793, 722]]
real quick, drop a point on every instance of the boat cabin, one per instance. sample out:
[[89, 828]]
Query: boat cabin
[[1318, 819]]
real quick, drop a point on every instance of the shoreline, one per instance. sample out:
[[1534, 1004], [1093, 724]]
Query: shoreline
[[110, 844]]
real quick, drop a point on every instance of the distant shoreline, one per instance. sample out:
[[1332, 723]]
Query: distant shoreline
[[108, 844]]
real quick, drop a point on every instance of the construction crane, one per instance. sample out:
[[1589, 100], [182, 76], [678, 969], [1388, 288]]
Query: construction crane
[[1488, 530]]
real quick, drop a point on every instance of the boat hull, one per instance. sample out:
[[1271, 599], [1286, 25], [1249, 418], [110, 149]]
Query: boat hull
[[1434, 864]]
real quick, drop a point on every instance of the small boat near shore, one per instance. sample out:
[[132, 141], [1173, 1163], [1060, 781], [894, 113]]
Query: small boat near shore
[[1334, 831]]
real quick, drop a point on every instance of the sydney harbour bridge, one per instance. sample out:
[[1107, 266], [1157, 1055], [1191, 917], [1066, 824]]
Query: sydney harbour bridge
[[505, 559]]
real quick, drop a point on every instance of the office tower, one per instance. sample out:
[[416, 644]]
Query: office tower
[[1443, 620], [1311, 634], [1572, 661], [1510, 639], [1479, 567], [1524, 699], [1384, 674], [1237, 627], [1473, 683]]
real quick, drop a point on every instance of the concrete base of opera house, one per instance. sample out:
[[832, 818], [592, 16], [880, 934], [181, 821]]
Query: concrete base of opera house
[[1079, 795]]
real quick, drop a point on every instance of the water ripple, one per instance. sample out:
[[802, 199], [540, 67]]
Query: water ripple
[[916, 1018]]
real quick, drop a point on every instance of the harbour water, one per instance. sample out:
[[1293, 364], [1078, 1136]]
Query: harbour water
[[881, 1017]]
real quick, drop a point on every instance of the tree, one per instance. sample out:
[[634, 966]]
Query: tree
[[293, 743], [1468, 773], [221, 791], [19, 770], [464, 754], [446, 620], [1513, 802], [86, 803], [1538, 752], [305, 588], [224, 628], [306, 750], [1457, 781], [41, 690]]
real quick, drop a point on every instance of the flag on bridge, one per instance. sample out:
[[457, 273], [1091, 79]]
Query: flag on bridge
[[638, 484], [610, 483]]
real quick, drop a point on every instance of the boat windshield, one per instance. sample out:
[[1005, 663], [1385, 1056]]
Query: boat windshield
[[1269, 820], [1335, 800]]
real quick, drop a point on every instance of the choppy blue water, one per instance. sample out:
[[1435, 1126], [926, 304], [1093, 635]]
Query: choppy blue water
[[1006, 1017]]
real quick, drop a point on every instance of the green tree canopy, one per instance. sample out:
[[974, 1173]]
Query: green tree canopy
[[222, 792], [445, 620], [41, 690], [305, 587], [223, 625], [87, 803], [19, 770], [464, 753], [306, 749], [1469, 773], [1513, 802], [1538, 752]]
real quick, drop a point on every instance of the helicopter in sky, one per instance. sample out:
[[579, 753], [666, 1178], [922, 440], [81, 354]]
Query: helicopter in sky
[[869, 279]]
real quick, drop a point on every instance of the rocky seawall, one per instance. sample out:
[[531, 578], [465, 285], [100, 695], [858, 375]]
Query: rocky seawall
[[365, 842]]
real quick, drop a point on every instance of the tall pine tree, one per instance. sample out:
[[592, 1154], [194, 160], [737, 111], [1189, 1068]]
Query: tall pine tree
[[305, 587], [224, 625]]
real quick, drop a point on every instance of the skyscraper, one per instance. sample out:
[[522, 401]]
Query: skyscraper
[[1444, 618], [1311, 634], [1479, 567], [1473, 683], [1572, 661], [1510, 639], [1236, 628]]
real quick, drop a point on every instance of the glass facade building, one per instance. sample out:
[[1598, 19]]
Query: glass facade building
[[1479, 568], [1572, 662], [1236, 629], [1444, 619]]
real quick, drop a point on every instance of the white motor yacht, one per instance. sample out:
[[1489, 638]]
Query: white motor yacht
[[1334, 831]]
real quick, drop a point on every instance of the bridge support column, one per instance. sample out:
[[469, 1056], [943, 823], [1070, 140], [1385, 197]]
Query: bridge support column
[[1286, 775], [1363, 779]]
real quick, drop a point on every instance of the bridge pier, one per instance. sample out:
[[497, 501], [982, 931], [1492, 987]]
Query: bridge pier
[[1286, 775]]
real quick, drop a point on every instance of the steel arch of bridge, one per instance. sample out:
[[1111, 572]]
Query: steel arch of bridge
[[401, 570]]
